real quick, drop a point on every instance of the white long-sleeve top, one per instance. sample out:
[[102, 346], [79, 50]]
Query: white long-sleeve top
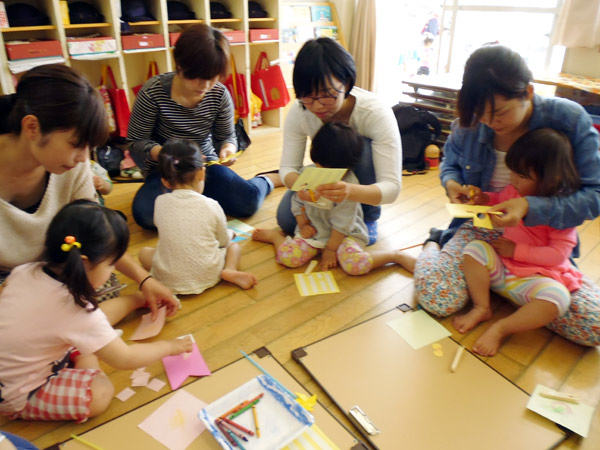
[[371, 119]]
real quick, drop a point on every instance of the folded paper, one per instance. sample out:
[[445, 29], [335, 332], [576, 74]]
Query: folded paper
[[179, 367], [479, 213], [312, 177]]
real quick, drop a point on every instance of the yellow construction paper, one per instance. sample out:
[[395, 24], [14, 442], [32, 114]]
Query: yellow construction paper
[[312, 177], [479, 213]]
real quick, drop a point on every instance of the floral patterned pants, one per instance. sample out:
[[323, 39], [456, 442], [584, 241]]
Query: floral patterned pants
[[352, 258], [441, 288]]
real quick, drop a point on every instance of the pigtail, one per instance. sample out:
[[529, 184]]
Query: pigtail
[[74, 276]]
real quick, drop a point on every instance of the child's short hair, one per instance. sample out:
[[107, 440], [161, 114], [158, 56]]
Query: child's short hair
[[101, 234], [548, 154], [179, 160], [336, 146]]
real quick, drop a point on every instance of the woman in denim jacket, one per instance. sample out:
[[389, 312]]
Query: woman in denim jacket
[[496, 106]]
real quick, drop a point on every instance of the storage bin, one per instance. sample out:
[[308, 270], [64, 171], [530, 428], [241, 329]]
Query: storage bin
[[141, 41], [264, 34]]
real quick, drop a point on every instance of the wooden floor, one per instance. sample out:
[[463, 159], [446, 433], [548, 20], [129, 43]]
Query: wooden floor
[[226, 319]]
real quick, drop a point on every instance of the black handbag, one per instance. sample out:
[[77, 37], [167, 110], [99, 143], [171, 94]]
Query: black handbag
[[242, 137], [110, 157]]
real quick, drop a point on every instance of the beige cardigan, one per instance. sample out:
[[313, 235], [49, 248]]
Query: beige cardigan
[[22, 234]]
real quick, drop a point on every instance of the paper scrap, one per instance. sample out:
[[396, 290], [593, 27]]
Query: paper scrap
[[242, 230], [175, 423], [316, 283], [125, 394], [155, 384], [141, 379], [575, 417], [149, 328], [312, 177], [479, 214], [418, 329], [179, 367]]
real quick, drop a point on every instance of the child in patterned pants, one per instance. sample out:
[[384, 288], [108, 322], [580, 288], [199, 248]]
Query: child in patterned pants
[[336, 230]]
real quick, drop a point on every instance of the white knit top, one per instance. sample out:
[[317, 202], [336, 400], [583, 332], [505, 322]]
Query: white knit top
[[192, 240], [22, 234]]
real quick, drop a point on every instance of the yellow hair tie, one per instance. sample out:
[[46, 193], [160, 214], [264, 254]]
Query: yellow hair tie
[[69, 243]]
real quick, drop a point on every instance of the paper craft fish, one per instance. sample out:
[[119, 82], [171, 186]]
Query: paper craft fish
[[479, 213]]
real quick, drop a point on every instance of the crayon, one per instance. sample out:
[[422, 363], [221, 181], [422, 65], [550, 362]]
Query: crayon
[[570, 398], [230, 428], [243, 410], [88, 443], [255, 420], [456, 359]]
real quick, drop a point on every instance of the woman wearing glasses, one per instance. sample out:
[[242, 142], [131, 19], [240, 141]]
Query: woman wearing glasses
[[324, 76]]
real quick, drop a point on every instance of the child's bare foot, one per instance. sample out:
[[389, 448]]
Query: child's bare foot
[[467, 322], [267, 236], [244, 280], [406, 261], [489, 342]]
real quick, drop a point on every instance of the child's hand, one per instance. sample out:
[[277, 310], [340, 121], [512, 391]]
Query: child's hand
[[504, 247], [98, 183], [328, 260], [183, 345], [307, 230], [307, 195]]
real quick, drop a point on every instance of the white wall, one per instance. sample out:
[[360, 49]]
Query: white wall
[[582, 61]]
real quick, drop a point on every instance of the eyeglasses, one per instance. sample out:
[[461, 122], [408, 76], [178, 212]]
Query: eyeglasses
[[325, 101]]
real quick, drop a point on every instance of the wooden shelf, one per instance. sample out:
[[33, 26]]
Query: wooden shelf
[[232, 20], [185, 22], [73, 26], [36, 28], [146, 22], [262, 19]]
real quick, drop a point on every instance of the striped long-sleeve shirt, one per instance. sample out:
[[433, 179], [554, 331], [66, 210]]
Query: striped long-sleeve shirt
[[156, 118]]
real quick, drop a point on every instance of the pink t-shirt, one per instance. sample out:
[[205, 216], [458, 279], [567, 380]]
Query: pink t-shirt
[[540, 250], [39, 323]]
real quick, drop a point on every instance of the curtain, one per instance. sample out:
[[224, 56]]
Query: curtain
[[362, 43], [578, 24]]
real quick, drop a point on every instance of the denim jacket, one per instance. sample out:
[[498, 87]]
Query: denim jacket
[[469, 158]]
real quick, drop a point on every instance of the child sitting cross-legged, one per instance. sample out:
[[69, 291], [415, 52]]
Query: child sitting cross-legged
[[48, 308], [194, 250], [336, 230]]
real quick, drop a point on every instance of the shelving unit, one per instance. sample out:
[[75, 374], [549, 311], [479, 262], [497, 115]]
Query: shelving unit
[[130, 66]]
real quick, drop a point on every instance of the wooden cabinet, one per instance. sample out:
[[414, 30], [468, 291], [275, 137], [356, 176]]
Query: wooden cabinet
[[129, 65]]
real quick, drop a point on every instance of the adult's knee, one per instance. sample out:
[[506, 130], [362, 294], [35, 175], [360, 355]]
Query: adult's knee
[[102, 394]]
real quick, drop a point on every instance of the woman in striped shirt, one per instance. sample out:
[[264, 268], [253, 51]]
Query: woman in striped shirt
[[192, 104]]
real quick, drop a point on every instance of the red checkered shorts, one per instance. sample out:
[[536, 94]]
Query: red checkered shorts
[[66, 396]]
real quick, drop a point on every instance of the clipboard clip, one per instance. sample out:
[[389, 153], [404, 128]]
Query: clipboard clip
[[363, 420]]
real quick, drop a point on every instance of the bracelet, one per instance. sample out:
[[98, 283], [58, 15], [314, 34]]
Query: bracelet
[[144, 280]]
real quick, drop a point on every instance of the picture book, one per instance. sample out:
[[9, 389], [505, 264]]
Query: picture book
[[289, 35], [330, 32], [320, 13]]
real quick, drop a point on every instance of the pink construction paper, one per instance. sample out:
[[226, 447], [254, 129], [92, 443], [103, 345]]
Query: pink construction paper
[[175, 423], [180, 367], [149, 328]]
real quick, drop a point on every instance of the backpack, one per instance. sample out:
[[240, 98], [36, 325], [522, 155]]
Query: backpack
[[418, 129]]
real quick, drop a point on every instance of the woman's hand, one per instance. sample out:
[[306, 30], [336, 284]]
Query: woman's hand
[[504, 247], [156, 295], [457, 193], [226, 151], [328, 260], [304, 195], [307, 230], [336, 192], [514, 210]]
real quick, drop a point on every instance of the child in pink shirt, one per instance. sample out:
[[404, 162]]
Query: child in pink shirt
[[48, 308], [528, 265]]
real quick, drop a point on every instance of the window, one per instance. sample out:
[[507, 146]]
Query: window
[[404, 29]]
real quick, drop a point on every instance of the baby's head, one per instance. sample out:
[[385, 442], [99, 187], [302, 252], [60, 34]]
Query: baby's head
[[83, 242], [336, 146], [545, 156], [179, 162]]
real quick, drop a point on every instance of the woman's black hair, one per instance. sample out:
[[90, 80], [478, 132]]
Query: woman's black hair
[[201, 52], [490, 70], [102, 233], [336, 146], [179, 161], [62, 99], [318, 62], [547, 153]]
